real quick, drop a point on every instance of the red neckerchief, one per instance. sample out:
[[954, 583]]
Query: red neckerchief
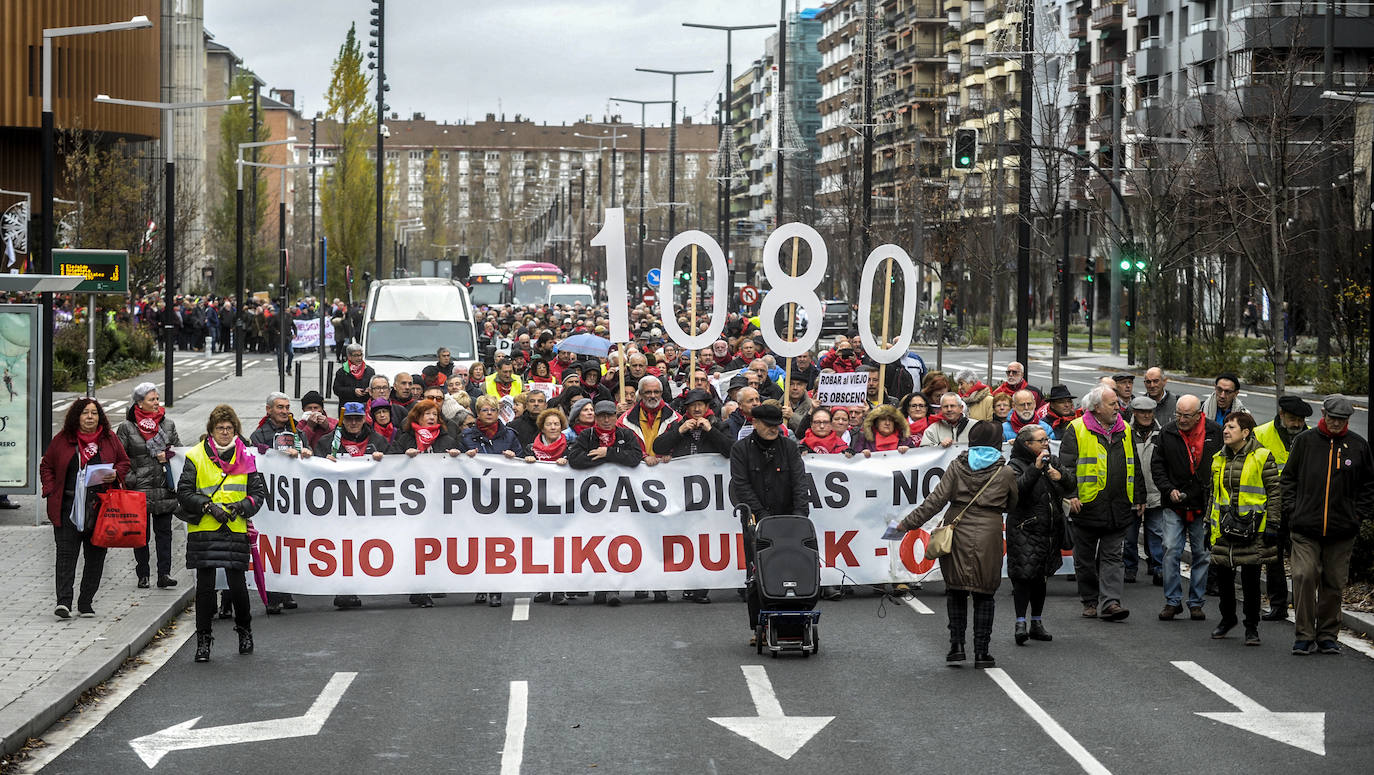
[[502, 389], [577, 429], [488, 430], [1017, 423], [148, 422], [918, 426], [87, 444], [357, 371], [1327, 432], [883, 443], [605, 438], [353, 448], [651, 415], [385, 431], [831, 442], [977, 386], [425, 435], [549, 452]]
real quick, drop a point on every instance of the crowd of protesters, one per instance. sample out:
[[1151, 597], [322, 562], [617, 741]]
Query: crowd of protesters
[[1195, 471]]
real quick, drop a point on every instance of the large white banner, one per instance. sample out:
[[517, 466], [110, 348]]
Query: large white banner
[[490, 524], [308, 333]]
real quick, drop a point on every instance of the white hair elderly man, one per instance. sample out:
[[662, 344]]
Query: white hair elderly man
[[1108, 493], [649, 415], [952, 427]]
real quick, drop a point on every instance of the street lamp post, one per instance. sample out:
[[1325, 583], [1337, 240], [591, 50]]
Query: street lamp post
[[728, 105], [169, 280], [48, 195], [599, 140], [643, 104], [396, 228], [672, 142], [239, 279], [406, 231]]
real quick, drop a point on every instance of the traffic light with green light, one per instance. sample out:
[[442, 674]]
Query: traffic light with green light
[[965, 149]]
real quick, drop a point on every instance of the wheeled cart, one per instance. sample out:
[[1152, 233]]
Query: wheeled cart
[[787, 581], [780, 631]]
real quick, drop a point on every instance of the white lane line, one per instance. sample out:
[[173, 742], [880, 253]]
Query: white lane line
[[1052, 728], [62, 736], [513, 754], [521, 611], [916, 605]]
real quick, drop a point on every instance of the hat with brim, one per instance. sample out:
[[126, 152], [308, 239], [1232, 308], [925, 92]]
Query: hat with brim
[[1059, 393], [353, 409], [1143, 404], [1295, 406], [696, 396], [606, 407], [1337, 406]]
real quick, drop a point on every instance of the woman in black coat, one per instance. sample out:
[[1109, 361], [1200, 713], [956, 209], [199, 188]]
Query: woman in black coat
[[1035, 528]]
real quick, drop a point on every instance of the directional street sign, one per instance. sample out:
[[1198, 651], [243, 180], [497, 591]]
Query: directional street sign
[[782, 734], [748, 295], [652, 277], [184, 736], [105, 271]]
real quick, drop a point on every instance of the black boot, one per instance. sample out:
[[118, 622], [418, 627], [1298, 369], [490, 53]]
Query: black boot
[[245, 640], [1037, 631], [956, 653], [983, 661], [1022, 634], [226, 606], [165, 582], [203, 641]]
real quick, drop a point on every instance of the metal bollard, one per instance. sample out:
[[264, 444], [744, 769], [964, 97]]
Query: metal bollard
[[297, 368], [209, 345]]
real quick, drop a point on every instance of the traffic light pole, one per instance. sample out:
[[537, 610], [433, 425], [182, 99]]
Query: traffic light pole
[[1130, 316]]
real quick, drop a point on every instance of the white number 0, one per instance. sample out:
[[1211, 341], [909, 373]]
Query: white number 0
[[871, 346]]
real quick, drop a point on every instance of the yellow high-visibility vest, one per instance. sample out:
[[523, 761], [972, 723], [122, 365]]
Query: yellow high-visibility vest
[[1252, 496], [233, 490], [1091, 470]]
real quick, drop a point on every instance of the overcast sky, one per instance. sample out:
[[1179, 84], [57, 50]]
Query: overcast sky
[[550, 60]]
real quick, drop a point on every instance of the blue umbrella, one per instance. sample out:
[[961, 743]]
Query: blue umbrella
[[585, 344]]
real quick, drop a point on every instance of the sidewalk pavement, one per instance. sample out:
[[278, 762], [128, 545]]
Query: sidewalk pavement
[[45, 662]]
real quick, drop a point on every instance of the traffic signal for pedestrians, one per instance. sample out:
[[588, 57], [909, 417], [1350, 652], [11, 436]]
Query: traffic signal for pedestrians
[[965, 149], [1092, 269]]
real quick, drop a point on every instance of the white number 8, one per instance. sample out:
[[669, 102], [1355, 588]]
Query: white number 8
[[785, 288]]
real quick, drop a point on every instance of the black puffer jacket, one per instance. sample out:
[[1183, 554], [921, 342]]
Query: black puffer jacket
[[1035, 528], [220, 548], [1328, 485], [148, 475], [672, 441]]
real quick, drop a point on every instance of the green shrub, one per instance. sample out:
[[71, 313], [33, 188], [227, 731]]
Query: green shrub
[[1258, 370], [120, 352]]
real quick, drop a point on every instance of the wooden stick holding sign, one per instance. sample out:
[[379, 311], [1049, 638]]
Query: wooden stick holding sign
[[791, 332], [692, 313], [887, 319]]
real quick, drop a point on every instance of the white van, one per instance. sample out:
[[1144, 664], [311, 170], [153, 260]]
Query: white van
[[407, 320], [568, 294]]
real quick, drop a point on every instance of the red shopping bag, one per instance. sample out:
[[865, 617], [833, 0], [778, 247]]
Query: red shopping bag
[[121, 520]]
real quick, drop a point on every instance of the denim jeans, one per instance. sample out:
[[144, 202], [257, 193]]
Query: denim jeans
[[1154, 543], [1176, 529]]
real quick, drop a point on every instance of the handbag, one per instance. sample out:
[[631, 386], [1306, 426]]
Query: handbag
[[941, 541], [121, 519]]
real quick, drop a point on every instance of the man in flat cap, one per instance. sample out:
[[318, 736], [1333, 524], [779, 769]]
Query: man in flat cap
[[1328, 489]]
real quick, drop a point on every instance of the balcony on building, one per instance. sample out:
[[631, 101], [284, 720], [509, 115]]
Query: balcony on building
[[1107, 16], [1078, 28], [1149, 60], [1104, 73], [1201, 43], [925, 12], [1149, 117], [1146, 8]]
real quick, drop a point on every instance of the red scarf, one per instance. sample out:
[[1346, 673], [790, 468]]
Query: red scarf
[[577, 429], [1017, 423], [387, 431], [604, 438], [1327, 432], [488, 430], [830, 443], [918, 426], [354, 448], [650, 416], [883, 443], [148, 422], [87, 444], [1194, 441], [502, 389], [357, 371], [977, 386], [425, 435], [549, 452]]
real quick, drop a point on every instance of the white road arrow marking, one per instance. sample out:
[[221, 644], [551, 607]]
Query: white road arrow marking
[[151, 748], [1306, 730], [782, 734]]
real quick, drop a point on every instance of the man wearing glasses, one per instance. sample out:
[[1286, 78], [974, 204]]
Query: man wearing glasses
[[1015, 381], [1225, 400], [1182, 471]]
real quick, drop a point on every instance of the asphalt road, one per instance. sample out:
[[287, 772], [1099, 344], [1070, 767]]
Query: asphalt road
[[632, 690]]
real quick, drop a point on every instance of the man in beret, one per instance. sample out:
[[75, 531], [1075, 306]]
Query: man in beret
[[1328, 491], [1277, 436]]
